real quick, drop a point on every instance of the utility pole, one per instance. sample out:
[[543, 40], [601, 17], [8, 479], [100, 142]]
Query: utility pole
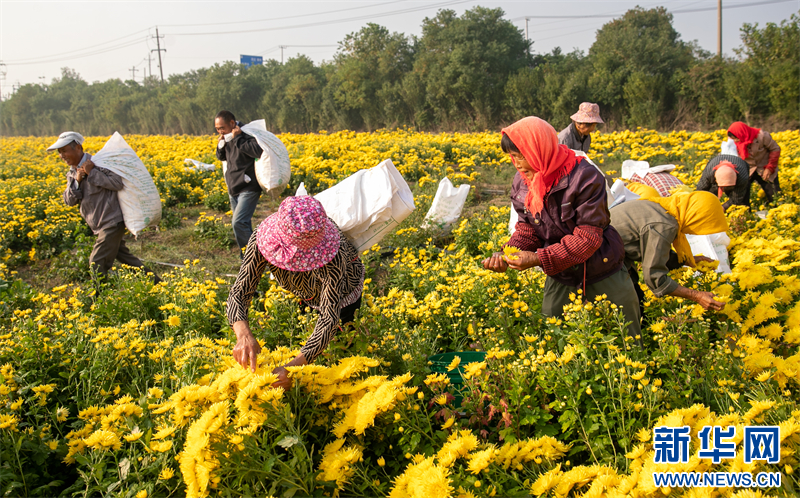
[[159, 50], [527, 38], [282, 47], [133, 73], [3, 72], [719, 28]]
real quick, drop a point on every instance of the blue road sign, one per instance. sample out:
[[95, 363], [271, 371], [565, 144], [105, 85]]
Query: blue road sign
[[251, 60]]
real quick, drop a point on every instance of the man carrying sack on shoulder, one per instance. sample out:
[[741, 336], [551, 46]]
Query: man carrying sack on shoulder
[[241, 152], [95, 189]]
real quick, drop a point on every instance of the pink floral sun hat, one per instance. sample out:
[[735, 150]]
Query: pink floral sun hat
[[587, 113], [299, 237]]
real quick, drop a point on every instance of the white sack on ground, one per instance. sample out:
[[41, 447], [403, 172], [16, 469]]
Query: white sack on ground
[[273, 170], [199, 166], [620, 193], [369, 204], [447, 204], [139, 199], [714, 246], [629, 167]]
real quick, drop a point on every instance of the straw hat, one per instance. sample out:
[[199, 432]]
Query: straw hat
[[587, 113], [299, 237]]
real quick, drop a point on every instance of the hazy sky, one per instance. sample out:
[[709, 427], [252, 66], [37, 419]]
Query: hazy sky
[[105, 39]]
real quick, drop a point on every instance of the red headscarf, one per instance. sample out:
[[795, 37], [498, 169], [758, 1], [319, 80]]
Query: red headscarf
[[538, 143], [745, 134]]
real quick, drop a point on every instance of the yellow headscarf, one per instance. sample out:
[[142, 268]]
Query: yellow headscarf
[[698, 213], [642, 190]]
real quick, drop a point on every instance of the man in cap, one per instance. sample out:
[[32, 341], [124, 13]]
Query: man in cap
[[577, 136], [95, 188], [241, 152], [728, 175]]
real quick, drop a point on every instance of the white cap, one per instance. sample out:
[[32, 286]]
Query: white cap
[[66, 138]]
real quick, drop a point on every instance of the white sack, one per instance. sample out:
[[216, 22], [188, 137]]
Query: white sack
[[512, 221], [447, 204], [369, 204], [301, 190], [714, 246], [620, 193], [729, 148], [199, 166], [139, 199], [629, 167], [273, 170], [664, 168]]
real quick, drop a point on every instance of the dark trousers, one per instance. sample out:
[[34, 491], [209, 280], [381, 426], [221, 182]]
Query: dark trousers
[[617, 287], [769, 188], [346, 315], [110, 246]]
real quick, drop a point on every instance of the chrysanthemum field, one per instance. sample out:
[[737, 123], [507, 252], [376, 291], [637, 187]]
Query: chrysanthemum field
[[132, 391]]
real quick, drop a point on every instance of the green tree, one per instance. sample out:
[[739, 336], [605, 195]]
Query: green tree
[[369, 69], [634, 59], [774, 53], [465, 63]]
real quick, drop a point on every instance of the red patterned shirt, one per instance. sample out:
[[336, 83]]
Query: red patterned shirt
[[662, 182]]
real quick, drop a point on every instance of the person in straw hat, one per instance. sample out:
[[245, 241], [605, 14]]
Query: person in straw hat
[[577, 136], [307, 254]]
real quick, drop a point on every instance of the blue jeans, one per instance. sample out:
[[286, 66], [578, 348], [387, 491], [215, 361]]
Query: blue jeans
[[243, 206]]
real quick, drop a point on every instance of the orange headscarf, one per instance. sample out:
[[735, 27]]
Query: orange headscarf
[[745, 134], [537, 141]]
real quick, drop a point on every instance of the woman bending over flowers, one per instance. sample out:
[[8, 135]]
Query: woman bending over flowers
[[564, 223], [649, 227], [306, 253]]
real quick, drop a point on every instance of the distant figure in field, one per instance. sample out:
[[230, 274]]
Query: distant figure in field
[[577, 136], [761, 153], [727, 175], [95, 189], [241, 152]]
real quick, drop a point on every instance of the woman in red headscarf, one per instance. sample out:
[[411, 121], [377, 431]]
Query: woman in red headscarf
[[564, 223], [761, 153]]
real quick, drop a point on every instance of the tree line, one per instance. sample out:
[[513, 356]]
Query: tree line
[[470, 72]]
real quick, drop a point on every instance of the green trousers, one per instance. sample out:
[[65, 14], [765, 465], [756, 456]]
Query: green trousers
[[618, 287]]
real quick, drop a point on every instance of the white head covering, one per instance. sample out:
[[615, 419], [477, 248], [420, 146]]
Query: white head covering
[[66, 138]]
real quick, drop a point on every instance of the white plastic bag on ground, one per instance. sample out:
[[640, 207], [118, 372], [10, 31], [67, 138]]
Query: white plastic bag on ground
[[273, 170], [629, 167], [447, 204], [199, 166], [714, 246], [139, 199], [301, 190], [729, 147], [369, 204]]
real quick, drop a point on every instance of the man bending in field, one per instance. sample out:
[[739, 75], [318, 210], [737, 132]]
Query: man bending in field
[[95, 189]]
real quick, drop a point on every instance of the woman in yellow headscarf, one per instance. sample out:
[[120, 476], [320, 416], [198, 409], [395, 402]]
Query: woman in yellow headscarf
[[651, 226]]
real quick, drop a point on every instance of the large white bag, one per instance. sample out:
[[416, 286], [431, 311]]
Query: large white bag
[[369, 204], [273, 170], [629, 167], [714, 246], [729, 147], [139, 199], [447, 204]]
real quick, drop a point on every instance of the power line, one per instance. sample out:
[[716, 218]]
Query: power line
[[679, 11], [87, 54], [325, 23], [93, 47], [284, 17]]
